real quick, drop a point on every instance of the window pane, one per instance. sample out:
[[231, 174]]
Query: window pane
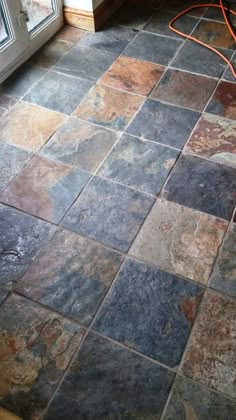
[[38, 11], [4, 35]]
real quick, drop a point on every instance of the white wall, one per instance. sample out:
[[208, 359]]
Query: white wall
[[89, 5]]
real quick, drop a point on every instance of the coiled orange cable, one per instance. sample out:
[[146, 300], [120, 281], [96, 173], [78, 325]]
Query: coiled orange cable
[[223, 8]]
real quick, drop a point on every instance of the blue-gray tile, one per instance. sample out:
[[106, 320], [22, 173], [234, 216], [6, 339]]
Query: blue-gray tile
[[139, 164], [150, 311], [190, 400], [109, 213], [85, 62], [159, 23], [163, 123], [3, 295], [228, 75], [12, 160], [203, 185], [154, 48], [22, 80], [132, 17], [106, 381], [59, 92]]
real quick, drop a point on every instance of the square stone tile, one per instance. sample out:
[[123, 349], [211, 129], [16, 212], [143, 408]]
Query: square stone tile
[[223, 102], [202, 185], [184, 89], [214, 138], [180, 240], [80, 62], [154, 48], [197, 59], [132, 75], [29, 126], [214, 13], [109, 213], [22, 80], [3, 295], [6, 102], [150, 311], [139, 164], [59, 92], [7, 415], [109, 107], [109, 38], [210, 356], [132, 17], [159, 23], [228, 75], [189, 400], [163, 123], [223, 277], [45, 189], [50, 53], [37, 346], [68, 33], [215, 34], [71, 274], [21, 237], [12, 160], [107, 381], [80, 144], [178, 6]]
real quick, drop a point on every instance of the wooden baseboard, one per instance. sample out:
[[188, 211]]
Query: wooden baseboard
[[91, 21]]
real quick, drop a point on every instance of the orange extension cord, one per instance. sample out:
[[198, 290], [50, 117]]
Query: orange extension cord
[[223, 8]]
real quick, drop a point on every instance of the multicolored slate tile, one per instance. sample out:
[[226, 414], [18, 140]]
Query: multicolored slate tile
[[150, 311], [59, 92], [194, 58], [159, 23], [228, 75], [202, 185], [190, 400], [215, 34], [132, 17], [132, 75], [6, 102], [68, 33], [210, 357], [7, 415], [184, 89], [80, 144], [110, 38], [36, 348], [109, 107], [12, 160], [29, 126], [107, 381], [189, 240], [71, 274], [109, 213], [21, 237], [50, 53], [214, 138], [22, 80], [154, 48], [45, 189], [163, 123], [80, 62], [139, 164], [3, 295], [223, 277], [223, 102]]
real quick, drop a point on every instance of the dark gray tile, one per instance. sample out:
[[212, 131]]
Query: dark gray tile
[[223, 102], [59, 92], [132, 17], [228, 75], [50, 53], [88, 63], [3, 295], [12, 160], [223, 277], [150, 311], [139, 164], [21, 237], [109, 38], [155, 48], [163, 123], [106, 381], [109, 213], [202, 185], [194, 57], [190, 400], [159, 23], [22, 80]]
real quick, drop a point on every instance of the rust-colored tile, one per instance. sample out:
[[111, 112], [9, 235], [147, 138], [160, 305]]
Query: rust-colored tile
[[133, 75], [45, 188], [214, 138], [211, 355], [214, 33], [109, 107], [223, 102], [6, 415], [29, 126], [68, 33]]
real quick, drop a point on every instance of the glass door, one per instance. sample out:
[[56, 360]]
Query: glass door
[[25, 25]]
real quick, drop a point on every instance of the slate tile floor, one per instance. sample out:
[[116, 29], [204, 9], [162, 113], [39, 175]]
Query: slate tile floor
[[118, 225]]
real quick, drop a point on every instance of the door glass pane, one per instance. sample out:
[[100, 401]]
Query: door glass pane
[[4, 34], [38, 12]]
